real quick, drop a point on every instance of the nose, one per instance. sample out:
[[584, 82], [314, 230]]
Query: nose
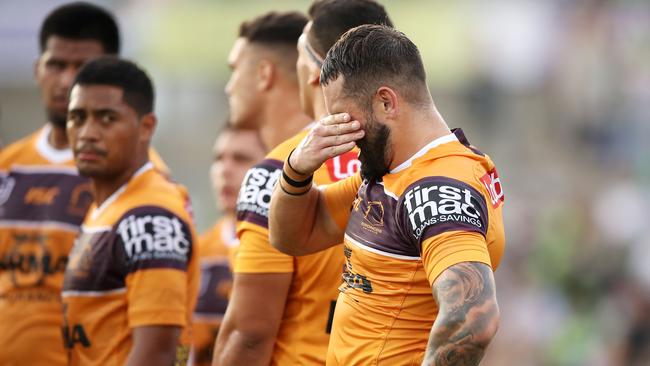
[[89, 131], [67, 77]]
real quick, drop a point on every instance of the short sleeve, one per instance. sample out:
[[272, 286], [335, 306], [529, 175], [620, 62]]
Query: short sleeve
[[434, 205], [339, 198], [156, 246], [255, 253], [254, 200], [447, 249]]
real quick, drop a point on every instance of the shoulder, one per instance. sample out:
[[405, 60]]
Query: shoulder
[[442, 195], [153, 233], [17, 150], [157, 189], [282, 151]]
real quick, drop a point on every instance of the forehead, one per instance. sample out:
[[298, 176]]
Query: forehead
[[335, 98], [96, 97], [237, 140], [72, 49]]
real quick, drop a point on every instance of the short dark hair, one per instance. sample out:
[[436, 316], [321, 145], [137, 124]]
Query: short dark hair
[[274, 28], [332, 18], [82, 21], [135, 83], [369, 56]]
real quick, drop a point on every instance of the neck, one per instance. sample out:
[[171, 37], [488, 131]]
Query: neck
[[417, 129], [104, 188], [283, 118], [58, 138]]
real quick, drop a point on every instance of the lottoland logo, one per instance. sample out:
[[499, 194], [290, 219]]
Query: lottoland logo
[[255, 195], [432, 204], [154, 237]]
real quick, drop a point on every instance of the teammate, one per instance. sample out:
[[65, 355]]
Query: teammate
[[424, 214], [42, 199], [262, 90], [298, 293], [235, 151], [132, 279]]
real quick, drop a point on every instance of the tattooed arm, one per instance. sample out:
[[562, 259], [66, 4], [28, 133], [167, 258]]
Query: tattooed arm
[[468, 317]]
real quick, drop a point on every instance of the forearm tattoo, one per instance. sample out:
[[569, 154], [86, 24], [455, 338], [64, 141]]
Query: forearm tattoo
[[468, 315]]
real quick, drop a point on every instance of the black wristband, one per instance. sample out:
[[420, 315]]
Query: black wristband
[[295, 183], [289, 193], [289, 163]]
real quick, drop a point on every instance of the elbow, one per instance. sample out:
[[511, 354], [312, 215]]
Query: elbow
[[252, 340], [279, 243]]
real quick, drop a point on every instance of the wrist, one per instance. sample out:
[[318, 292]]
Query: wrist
[[297, 173], [293, 182]]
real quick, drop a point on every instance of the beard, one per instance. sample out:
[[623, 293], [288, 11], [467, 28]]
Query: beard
[[57, 118], [374, 150]]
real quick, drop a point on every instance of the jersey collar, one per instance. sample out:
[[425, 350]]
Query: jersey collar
[[143, 169], [56, 156], [435, 143]]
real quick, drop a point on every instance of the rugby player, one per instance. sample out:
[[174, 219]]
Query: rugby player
[[235, 151], [42, 198], [262, 90], [298, 293], [423, 216], [132, 279]]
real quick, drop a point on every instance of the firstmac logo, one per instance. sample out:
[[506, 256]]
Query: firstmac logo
[[432, 203], [154, 237]]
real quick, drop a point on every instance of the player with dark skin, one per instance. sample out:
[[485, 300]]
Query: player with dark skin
[[63, 52], [110, 140]]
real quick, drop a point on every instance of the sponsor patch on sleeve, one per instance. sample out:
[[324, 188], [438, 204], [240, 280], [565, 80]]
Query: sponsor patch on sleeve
[[153, 237], [492, 184], [434, 205], [254, 198]]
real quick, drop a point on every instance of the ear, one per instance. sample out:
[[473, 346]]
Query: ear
[[147, 126], [314, 74], [386, 103], [266, 71]]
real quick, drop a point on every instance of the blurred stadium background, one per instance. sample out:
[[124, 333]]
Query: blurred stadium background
[[557, 91]]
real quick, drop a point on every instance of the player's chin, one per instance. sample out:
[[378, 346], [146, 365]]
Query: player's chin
[[89, 169]]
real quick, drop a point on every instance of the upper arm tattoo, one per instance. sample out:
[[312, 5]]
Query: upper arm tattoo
[[468, 315]]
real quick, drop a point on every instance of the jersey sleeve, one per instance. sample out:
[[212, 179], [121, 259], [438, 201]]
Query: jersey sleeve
[[255, 253], [156, 246], [447, 249], [446, 220], [339, 198]]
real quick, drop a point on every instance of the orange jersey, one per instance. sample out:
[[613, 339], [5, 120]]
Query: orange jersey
[[215, 248], [439, 208], [134, 264], [304, 331], [43, 201]]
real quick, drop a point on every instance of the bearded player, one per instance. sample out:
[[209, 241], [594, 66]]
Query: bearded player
[[422, 222]]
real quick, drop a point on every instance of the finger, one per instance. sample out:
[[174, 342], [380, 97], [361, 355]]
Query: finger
[[329, 141], [338, 129], [333, 119], [339, 149]]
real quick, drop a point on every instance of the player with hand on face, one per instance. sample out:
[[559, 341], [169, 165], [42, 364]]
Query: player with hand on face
[[423, 217], [132, 279]]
